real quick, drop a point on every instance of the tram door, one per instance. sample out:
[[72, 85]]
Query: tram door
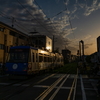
[[34, 60]]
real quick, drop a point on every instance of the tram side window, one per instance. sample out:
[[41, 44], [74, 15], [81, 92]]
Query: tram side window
[[36, 57], [45, 59], [58, 59], [50, 59], [54, 59], [40, 58], [33, 57], [1, 46]]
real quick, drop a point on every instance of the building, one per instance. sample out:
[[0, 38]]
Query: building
[[98, 49], [66, 55], [98, 44], [10, 37], [42, 42]]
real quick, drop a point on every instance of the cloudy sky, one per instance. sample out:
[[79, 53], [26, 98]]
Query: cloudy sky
[[68, 20]]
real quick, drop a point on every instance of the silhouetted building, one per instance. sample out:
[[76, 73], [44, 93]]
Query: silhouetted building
[[10, 37], [66, 55], [98, 48], [42, 42]]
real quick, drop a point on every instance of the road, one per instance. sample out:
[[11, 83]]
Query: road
[[48, 87]]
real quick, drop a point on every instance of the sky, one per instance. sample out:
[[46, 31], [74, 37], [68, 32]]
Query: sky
[[69, 21]]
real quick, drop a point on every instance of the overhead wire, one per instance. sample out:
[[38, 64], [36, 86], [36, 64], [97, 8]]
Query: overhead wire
[[56, 14], [70, 20], [23, 28], [4, 15], [31, 15], [44, 13], [59, 13], [15, 21]]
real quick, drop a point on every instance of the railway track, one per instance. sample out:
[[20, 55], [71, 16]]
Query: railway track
[[51, 87]]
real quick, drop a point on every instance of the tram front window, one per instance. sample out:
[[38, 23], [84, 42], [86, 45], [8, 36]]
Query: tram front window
[[18, 57]]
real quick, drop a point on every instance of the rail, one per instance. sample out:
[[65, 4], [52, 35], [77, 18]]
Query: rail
[[73, 87], [49, 89]]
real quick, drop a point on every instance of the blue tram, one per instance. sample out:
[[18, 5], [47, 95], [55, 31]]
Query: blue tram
[[27, 60]]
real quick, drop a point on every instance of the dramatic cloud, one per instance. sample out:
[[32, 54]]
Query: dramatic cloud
[[93, 7], [87, 37], [27, 17], [87, 45], [66, 2], [57, 1]]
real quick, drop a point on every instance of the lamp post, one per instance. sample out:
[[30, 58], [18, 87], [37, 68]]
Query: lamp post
[[81, 50], [53, 43]]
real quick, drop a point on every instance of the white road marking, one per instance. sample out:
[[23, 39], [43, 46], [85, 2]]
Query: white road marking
[[26, 85], [42, 86], [89, 88], [16, 85], [82, 88], [5, 83]]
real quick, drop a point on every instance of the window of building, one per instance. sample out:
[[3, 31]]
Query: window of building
[[7, 49], [49, 42], [21, 37], [1, 29], [45, 59], [40, 58], [1, 46], [12, 33]]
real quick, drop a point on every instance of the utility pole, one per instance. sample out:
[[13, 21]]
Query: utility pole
[[80, 50], [53, 44]]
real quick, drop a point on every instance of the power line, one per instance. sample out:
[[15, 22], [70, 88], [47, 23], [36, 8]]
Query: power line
[[44, 13], [70, 21], [59, 13], [13, 19], [21, 27], [30, 14], [4, 15]]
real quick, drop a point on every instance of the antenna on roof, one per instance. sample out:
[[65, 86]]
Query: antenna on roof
[[13, 20], [33, 32]]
